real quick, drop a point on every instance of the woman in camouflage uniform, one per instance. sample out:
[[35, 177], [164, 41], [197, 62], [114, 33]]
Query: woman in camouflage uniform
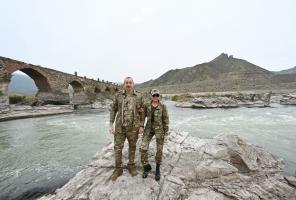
[[157, 125]]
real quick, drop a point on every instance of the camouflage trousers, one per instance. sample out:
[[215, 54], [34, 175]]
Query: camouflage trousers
[[119, 139], [145, 146]]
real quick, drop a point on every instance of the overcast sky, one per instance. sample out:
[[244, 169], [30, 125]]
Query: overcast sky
[[114, 39]]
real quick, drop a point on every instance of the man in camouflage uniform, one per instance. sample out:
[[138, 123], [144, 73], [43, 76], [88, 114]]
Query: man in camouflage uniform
[[157, 125], [127, 108]]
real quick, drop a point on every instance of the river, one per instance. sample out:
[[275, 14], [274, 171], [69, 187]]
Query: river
[[39, 154]]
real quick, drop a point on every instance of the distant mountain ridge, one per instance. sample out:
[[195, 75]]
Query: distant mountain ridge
[[224, 73], [287, 71]]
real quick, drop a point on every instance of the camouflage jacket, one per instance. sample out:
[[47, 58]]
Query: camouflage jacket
[[116, 110], [161, 118]]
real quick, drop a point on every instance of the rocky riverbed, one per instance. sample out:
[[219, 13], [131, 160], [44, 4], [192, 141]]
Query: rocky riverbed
[[19, 112], [230, 100], [25, 111], [288, 99], [224, 167]]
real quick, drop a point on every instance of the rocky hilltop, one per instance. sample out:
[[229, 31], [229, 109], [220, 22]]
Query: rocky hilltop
[[224, 73], [224, 167]]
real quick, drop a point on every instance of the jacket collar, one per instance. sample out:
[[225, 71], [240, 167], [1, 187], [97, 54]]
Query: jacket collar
[[159, 104], [124, 92]]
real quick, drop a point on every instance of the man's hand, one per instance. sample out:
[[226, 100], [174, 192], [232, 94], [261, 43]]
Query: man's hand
[[111, 129], [141, 130]]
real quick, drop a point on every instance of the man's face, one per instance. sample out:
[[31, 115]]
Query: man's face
[[128, 84]]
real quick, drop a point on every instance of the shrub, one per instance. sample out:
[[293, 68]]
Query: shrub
[[259, 95], [21, 99], [14, 99], [238, 93], [175, 98], [29, 100]]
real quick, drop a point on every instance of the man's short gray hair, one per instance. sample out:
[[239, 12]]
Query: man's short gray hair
[[128, 77]]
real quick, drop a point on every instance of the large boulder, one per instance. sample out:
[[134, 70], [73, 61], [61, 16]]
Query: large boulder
[[214, 102], [224, 167], [288, 99]]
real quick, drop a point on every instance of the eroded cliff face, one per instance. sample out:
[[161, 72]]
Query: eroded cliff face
[[224, 167]]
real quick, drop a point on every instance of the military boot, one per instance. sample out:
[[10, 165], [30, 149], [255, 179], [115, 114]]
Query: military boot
[[147, 169], [132, 169], [116, 173], [157, 172]]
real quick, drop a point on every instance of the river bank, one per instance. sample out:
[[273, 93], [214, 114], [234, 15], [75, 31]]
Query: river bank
[[247, 99], [13, 112], [223, 167], [21, 112]]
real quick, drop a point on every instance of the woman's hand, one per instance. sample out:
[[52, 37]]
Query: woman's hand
[[111, 129]]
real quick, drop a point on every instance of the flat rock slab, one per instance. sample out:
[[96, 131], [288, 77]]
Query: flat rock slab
[[20, 112], [224, 167]]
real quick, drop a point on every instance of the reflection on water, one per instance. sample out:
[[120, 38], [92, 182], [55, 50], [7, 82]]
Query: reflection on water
[[47, 151]]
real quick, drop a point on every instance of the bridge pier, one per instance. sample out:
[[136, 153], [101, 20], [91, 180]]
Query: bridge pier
[[4, 98], [52, 98], [62, 98]]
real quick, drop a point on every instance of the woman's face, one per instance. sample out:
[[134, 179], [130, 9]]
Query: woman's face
[[155, 97]]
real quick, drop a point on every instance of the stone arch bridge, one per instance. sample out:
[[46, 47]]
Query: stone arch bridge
[[53, 85]]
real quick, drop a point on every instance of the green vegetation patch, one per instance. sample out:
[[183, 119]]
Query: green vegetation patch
[[176, 98], [182, 97], [21, 99]]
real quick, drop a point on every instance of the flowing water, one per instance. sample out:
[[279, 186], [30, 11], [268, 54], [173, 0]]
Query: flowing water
[[39, 154]]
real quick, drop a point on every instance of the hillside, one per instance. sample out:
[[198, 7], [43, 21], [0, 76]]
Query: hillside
[[224, 73], [221, 67]]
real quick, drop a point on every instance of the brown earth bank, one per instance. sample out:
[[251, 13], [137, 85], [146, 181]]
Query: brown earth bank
[[223, 167]]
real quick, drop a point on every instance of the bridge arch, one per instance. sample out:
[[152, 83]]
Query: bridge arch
[[107, 90], [77, 86], [40, 80], [77, 93], [97, 90]]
